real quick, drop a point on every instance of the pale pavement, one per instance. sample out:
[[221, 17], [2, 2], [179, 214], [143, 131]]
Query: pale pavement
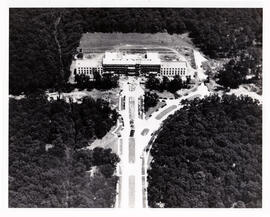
[[131, 173]]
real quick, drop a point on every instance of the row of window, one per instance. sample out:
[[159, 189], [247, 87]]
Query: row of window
[[172, 73], [173, 69], [88, 70], [163, 71]]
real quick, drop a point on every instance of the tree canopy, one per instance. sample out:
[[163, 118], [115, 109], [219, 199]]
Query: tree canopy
[[209, 154], [150, 100], [154, 83], [49, 164], [235, 72]]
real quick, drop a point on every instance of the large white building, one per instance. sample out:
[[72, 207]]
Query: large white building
[[139, 63], [88, 67], [170, 69]]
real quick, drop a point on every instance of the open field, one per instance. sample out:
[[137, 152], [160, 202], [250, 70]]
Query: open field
[[175, 47], [107, 41]]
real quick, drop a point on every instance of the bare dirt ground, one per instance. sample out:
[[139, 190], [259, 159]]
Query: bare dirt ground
[[170, 47], [110, 40], [110, 96]]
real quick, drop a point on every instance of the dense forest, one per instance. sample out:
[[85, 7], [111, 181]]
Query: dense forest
[[209, 154], [42, 41], [49, 164]]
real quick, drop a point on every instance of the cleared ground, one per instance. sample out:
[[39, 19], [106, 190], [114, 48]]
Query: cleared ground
[[107, 41], [112, 96], [170, 47], [108, 141]]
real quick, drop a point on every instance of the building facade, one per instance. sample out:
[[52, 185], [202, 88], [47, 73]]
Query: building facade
[[131, 64], [171, 69]]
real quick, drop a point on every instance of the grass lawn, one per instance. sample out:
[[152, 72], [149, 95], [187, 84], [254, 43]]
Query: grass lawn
[[131, 191], [131, 150], [153, 109], [164, 94], [194, 96], [108, 141], [131, 108], [145, 131], [150, 158], [166, 111]]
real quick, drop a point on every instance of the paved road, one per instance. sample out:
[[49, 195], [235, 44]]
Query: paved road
[[131, 182], [132, 190]]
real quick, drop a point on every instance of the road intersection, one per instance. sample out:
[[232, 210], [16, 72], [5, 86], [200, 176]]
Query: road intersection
[[132, 169]]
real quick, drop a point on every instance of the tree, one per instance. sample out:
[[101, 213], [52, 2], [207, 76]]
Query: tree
[[150, 100], [207, 155], [232, 75], [59, 176]]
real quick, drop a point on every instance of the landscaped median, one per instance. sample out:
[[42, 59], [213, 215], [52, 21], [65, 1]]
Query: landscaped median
[[166, 111]]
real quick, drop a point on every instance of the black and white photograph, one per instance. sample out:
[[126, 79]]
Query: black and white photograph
[[135, 107]]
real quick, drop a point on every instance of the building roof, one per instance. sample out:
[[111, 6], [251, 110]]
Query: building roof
[[89, 62], [117, 58], [174, 64]]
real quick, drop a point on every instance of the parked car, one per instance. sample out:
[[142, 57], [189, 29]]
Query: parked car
[[132, 133]]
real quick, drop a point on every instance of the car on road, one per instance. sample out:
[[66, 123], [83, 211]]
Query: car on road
[[131, 133]]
